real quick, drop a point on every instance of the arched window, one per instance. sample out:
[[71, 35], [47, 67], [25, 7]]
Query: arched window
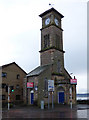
[[46, 41], [45, 84], [57, 41], [58, 66]]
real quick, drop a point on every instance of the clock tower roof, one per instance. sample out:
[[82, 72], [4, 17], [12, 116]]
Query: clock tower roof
[[50, 10]]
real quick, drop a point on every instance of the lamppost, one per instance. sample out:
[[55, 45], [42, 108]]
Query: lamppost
[[8, 97], [71, 94]]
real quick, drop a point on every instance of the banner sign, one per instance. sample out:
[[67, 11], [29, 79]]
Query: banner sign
[[73, 81], [30, 85], [50, 85]]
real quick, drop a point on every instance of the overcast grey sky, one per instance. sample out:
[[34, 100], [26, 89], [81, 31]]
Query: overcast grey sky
[[20, 34]]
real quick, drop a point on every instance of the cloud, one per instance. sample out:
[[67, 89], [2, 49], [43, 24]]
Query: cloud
[[20, 33], [81, 82]]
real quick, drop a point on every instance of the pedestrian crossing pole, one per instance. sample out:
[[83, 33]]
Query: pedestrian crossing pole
[[8, 97]]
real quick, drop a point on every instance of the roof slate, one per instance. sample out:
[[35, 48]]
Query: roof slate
[[37, 70]]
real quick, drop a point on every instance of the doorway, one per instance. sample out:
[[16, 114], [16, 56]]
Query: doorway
[[32, 98], [61, 97]]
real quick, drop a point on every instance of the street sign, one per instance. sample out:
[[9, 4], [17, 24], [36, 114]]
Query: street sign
[[50, 85], [73, 81], [30, 84]]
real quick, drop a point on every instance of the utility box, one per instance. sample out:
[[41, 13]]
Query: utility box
[[42, 104]]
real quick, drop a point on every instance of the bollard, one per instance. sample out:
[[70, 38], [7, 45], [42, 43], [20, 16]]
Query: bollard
[[42, 104]]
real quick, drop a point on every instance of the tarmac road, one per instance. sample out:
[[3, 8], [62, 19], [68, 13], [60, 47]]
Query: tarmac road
[[59, 111]]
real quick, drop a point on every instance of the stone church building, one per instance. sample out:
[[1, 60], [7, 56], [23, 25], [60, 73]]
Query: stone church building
[[51, 65]]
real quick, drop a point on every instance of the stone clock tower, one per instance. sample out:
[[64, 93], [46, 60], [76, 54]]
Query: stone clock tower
[[51, 65], [52, 40]]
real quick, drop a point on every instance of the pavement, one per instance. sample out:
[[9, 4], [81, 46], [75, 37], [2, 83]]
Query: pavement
[[59, 111]]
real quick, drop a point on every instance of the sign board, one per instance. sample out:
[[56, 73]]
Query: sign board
[[73, 81], [30, 85], [50, 85]]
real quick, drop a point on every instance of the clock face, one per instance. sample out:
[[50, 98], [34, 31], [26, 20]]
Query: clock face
[[56, 21], [47, 21]]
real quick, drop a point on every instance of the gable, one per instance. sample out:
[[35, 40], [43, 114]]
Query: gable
[[12, 67]]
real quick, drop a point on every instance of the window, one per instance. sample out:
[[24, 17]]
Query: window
[[58, 66], [3, 97], [3, 85], [17, 97], [57, 41], [45, 87], [4, 74], [45, 84], [46, 41], [6, 88], [17, 86], [18, 76]]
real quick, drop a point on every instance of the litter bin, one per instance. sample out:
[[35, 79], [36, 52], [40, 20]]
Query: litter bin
[[42, 104]]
